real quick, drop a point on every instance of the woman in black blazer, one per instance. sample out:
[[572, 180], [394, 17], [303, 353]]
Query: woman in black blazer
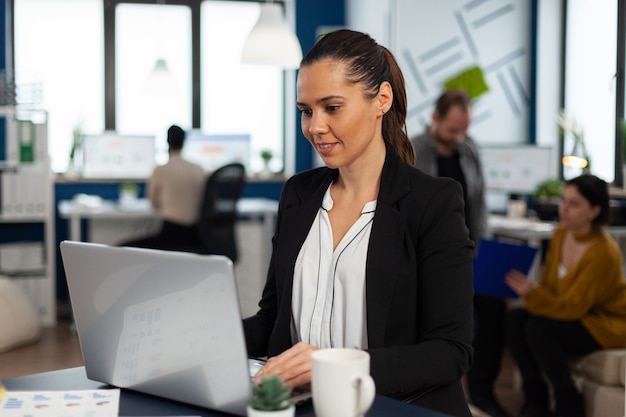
[[368, 251]]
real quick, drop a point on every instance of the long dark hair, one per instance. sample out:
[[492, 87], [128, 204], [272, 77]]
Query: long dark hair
[[596, 191], [369, 64]]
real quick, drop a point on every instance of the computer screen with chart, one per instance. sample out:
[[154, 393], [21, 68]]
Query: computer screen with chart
[[112, 155], [215, 150], [516, 169]]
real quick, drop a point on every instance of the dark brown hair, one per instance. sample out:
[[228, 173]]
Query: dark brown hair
[[451, 98], [369, 64], [175, 137], [596, 191]]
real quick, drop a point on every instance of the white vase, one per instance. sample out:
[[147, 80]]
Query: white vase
[[287, 412], [266, 173], [71, 172]]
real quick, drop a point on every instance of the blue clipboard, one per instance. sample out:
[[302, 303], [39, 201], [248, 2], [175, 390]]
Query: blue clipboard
[[494, 259]]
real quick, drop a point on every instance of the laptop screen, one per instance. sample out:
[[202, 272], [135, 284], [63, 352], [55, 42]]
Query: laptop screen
[[163, 323]]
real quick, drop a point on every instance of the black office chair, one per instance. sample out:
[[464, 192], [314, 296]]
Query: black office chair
[[216, 225]]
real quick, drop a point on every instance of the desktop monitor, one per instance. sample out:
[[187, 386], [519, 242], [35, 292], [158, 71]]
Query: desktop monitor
[[111, 155], [212, 151], [516, 169]]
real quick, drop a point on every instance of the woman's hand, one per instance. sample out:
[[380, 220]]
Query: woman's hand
[[293, 365], [518, 282]]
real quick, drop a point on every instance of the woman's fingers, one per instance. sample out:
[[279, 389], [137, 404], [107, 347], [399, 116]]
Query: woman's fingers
[[293, 365]]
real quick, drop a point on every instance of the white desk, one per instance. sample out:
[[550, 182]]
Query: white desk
[[534, 230], [263, 209]]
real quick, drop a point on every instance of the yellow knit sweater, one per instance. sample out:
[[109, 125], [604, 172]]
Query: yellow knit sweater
[[593, 291]]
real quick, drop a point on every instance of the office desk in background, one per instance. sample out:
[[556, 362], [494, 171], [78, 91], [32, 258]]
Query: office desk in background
[[533, 230], [137, 404], [263, 209]]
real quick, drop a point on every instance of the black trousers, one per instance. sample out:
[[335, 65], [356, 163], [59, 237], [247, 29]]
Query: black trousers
[[171, 236], [543, 346], [489, 323]]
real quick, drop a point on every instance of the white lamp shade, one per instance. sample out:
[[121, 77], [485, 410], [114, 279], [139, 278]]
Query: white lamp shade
[[574, 161], [271, 41], [161, 80]]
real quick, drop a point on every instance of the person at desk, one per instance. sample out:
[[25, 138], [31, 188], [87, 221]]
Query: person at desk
[[445, 150], [368, 252], [577, 306], [175, 190]]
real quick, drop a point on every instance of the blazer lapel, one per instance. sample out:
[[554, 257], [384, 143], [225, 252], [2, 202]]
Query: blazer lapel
[[386, 248], [298, 217]]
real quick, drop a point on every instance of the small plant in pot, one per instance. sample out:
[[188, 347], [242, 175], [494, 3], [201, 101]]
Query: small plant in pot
[[271, 398], [547, 199], [266, 156]]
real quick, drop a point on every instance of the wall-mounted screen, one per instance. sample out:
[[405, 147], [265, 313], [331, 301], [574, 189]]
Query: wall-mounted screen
[[516, 169], [111, 155], [213, 151]]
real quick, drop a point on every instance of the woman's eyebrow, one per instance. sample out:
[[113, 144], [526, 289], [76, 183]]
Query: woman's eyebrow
[[321, 100]]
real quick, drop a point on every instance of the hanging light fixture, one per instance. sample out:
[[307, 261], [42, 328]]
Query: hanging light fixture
[[576, 159], [161, 79], [271, 41]]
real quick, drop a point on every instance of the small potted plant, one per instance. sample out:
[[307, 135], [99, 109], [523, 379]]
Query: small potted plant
[[547, 198], [271, 398], [266, 156]]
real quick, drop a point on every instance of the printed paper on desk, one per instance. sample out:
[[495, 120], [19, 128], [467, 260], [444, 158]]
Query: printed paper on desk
[[86, 403], [496, 258]]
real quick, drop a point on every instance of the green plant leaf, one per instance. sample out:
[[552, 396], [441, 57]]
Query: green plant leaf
[[270, 395], [550, 187]]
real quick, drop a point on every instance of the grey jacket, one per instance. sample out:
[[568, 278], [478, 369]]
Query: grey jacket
[[426, 161]]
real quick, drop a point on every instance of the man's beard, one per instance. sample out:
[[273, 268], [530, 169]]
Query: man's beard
[[444, 143]]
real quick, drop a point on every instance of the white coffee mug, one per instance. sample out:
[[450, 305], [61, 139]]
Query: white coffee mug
[[341, 383]]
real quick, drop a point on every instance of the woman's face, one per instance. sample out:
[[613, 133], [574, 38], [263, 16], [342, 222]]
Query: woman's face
[[575, 211], [338, 120]]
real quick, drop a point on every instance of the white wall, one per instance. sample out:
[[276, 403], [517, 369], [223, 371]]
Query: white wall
[[413, 28], [434, 41], [373, 17]]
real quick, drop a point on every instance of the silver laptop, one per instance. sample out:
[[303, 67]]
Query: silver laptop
[[163, 323]]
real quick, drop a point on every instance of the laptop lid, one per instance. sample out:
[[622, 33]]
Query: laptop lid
[[159, 322]]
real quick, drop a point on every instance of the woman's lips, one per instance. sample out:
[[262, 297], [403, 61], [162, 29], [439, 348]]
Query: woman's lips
[[325, 148]]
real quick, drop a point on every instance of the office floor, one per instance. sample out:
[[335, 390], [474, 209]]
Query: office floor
[[56, 349]]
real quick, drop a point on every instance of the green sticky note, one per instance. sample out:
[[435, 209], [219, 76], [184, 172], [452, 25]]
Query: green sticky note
[[471, 80]]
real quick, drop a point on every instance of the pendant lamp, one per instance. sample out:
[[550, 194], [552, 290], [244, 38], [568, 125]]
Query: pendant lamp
[[161, 79], [271, 41], [577, 158]]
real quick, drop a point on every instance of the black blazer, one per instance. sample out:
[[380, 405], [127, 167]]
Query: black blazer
[[418, 283]]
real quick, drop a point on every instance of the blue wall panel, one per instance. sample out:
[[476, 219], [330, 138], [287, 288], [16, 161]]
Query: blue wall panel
[[311, 14]]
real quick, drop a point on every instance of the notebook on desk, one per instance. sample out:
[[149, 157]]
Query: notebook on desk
[[494, 259], [163, 323]]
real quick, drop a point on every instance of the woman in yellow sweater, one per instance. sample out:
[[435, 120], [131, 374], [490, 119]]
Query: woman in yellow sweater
[[578, 305]]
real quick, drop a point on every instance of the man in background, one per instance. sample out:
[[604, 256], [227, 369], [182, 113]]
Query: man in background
[[445, 150], [175, 190]]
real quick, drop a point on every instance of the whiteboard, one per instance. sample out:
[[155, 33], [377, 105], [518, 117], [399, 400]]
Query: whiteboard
[[516, 169]]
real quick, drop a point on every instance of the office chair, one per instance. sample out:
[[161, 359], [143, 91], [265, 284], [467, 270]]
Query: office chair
[[216, 224]]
